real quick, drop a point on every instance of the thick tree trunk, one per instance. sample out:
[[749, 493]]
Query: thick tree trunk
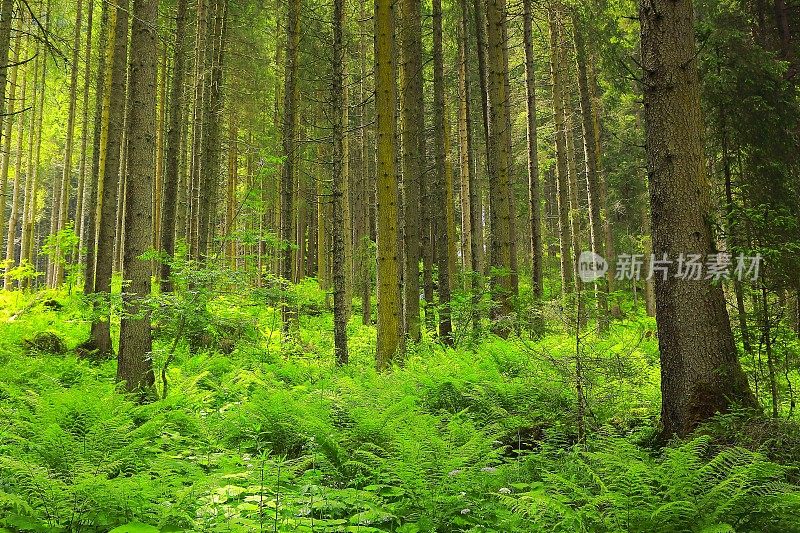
[[134, 364], [111, 170], [500, 182], [390, 325], [700, 370]]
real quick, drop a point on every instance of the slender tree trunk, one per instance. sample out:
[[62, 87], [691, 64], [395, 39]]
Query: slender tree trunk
[[233, 184], [6, 143], [19, 184], [62, 209], [134, 364], [413, 156], [80, 207], [700, 370], [173, 149], [340, 303], [534, 189], [390, 326], [596, 238], [562, 181], [290, 106], [111, 171], [158, 180], [102, 104], [200, 94], [441, 222], [364, 243], [6, 15]]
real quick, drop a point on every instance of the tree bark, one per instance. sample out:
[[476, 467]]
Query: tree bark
[[11, 108], [596, 237], [700, 371], [340, 303], [390, 327], [134, 364], [80, 207], [173, 150], [562, 178], [534, 188], [112, 166], [413, 156], [500, 182], [290, 98]]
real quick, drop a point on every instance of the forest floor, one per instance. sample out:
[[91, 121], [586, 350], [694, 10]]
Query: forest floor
[[253, 438]]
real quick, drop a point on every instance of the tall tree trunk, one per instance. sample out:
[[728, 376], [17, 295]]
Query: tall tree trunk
[[66, 178], [134, 364], [173, 149], [19, 184], [80, 206], [700, 370], [441, 219], [6, 144], [198, 119], [364, 242], [158, 180], [111, 170], [6, 15], [500, 182], [340, 303], [534, 189], [596, 238], [413, 154], [562, 181], [290, 105], [390, 326], [102, 105]]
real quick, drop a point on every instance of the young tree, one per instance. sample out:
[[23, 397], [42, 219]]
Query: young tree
[[390, 327], [700, 371], [134, 364]]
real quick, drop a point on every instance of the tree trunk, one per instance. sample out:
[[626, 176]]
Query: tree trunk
[[173, 149], [562, 181], [413, 154], [62, 209], [290, 98], [134, 364], [500, 182], [111, 169], [80, 207], [440, 184], [596, 237], [700, 371], [390, 326], [534, 189], [102, 104], [6, 143], [340, 303], [19, 184]]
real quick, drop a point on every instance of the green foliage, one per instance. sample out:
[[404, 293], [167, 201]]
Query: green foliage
[[250, 439]]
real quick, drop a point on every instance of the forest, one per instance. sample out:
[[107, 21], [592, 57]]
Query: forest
[[399, 266]]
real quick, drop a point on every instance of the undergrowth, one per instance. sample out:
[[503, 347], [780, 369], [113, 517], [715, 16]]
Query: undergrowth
[[250, 438]]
